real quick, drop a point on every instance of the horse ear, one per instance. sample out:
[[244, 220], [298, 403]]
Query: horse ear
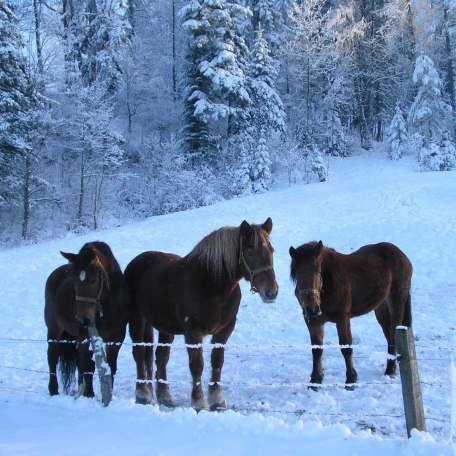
[[318, 249], [87, 255], [71, 257], [292, 252], [267, 225], [246, 229]]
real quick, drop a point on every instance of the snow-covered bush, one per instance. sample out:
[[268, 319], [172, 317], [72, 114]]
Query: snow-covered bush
[[438, 157]]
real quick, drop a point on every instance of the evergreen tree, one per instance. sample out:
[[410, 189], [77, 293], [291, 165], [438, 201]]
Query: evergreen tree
[[242, 174], [216, 81], [16, 92], [317, 164], [106, 29], [267, 16], [429, 114], [397, 135], [334, 140], [431, 117], [266, 110], [22, 126], [261, 166]]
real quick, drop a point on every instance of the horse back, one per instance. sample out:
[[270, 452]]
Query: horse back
[[146, 263], [396, 261]]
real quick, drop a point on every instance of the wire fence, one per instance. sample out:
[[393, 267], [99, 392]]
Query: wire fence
[[431, 352]]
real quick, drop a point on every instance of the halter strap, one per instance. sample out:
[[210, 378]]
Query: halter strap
[[251, 272], [311, 291], [104, 281]]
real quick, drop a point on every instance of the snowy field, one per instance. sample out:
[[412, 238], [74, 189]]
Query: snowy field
[[271, 411]]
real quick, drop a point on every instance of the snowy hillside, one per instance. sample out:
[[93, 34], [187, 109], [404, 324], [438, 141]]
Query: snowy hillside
[[366, 200]]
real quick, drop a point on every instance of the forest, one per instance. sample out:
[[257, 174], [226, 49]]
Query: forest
[[113, 110]]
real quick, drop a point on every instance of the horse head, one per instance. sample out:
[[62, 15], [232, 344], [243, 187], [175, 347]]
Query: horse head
[[256, 259], [90, 278], [306, 273]]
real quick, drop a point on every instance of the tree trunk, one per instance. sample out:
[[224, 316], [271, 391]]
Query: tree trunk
[[174, 50], [39, 50], [26, 197], [81, 189], [450, 82]]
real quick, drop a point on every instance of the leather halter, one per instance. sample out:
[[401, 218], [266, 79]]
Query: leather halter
[[104, 281], [310, 292], [251, 272]]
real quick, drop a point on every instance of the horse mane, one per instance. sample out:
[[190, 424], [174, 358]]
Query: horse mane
[[303, 251], [218, 252], [105, 250]]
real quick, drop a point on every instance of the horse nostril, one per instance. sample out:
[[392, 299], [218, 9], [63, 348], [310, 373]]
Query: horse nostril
[[271, 294]]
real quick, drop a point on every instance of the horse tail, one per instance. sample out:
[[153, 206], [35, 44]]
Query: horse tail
[[407, 318], [68, 361]]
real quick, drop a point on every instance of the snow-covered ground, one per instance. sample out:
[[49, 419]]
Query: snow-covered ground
[[366, 200]]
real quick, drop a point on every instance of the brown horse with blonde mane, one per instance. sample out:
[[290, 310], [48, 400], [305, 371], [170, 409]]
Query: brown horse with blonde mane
[[331, 286], [197, 295], [88, 291]]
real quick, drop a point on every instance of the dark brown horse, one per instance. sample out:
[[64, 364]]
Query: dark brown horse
[[196, 295], [90, 290], [334, 287]]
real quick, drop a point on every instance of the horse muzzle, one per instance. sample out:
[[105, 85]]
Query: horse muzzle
[[269, 295], [310, 311]]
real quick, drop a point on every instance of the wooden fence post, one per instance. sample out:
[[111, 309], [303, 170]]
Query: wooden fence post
[[104, 371], [411, 388]]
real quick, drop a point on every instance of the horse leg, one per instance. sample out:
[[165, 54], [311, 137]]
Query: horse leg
[[161, 359], [345, 338], [87, 368], [194, 336], [112, 352], [140, 332], [215, 392], [317, 332], [389, 316], [53, 353]]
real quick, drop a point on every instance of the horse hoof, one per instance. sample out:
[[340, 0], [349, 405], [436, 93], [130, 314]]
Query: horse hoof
[[199, 405], [143, 396], [169, 403], [216, 398], [391, 372], [164, 396], [350, 387], [143, 401], [218, 407], [314, 388]]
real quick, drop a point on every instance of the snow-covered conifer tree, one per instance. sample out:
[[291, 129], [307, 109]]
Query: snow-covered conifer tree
[[106, 29], [397, 133], [16, 95], [431, 117], [267, 16], [266, 110], [216, 80], [317, 164], [21, 125], [242, 174], [334, 139], [261, 166]]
